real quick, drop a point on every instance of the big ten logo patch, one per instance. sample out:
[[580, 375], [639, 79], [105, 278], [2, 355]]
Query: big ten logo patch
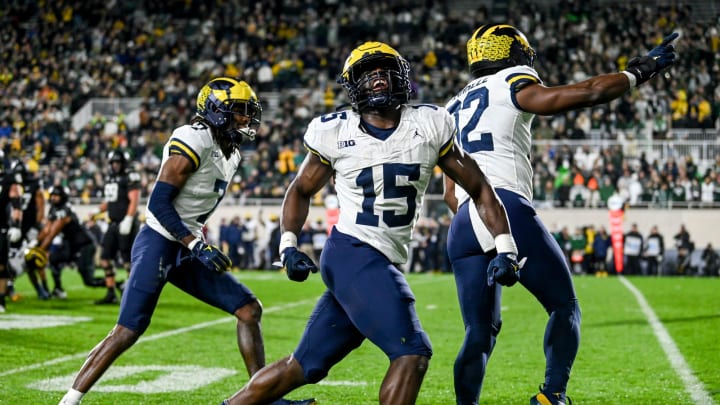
[[346, 144]]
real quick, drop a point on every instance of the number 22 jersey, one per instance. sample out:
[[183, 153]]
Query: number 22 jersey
[[381, 180], [495, 130]]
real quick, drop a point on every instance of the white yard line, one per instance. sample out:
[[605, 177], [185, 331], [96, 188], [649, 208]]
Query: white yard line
[[693, 386], [173, 332], [148, 338]]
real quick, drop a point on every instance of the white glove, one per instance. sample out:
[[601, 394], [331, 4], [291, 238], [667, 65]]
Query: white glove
[[14, 234], [126, 225]]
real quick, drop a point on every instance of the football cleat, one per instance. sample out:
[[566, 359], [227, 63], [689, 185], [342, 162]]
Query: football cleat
[[14, 295], [59, 293], [42, 293], [109, 299], [550, 398], [283, 401]]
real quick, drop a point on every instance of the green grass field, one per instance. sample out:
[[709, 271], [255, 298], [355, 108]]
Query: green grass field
[[189, 354]]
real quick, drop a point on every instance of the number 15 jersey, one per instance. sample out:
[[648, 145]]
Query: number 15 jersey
[[495, 130], [381, 179]]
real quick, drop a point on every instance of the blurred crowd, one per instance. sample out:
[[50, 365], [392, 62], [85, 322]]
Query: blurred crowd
[[588, 250], [58, 55]]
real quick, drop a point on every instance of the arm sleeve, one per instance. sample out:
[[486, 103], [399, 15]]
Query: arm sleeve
[[161, 206]]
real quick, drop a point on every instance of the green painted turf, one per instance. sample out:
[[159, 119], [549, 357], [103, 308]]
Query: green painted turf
[[620, 360]]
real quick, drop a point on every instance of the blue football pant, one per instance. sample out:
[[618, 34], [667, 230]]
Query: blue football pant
[[546, 275], [156, 261], [366, 297]]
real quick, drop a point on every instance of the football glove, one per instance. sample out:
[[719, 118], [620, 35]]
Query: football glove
[[297, 264], [662, 56], [209, 255], [503, 269], [36, 258], [14, 234], [126, 225]]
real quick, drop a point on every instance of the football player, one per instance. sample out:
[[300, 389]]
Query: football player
[[493, 114], [199, 160], [121, 194], [77, 247], [10, 221], [381, 155], [33, 208]]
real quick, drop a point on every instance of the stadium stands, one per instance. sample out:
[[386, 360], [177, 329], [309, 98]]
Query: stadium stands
[[64, 60]]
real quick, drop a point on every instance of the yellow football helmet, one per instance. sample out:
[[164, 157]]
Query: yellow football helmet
[[369, 61], [223, 97], [494, 47], [36, 258]]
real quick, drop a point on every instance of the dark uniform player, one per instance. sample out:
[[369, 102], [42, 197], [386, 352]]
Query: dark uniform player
[[78, 246], [122, 193], [10, 217], [33, 215]]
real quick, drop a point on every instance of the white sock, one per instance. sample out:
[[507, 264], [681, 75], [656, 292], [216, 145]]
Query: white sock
[[72, 397]]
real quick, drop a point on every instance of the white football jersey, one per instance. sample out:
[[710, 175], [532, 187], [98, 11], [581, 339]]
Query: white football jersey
[[380, 183], [495, 131], [206, 185]]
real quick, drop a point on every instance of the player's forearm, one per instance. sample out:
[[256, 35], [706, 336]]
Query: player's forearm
[[50, 232], [492, 213], [134, 197], [597, 90], [295, 210], [449, 194]]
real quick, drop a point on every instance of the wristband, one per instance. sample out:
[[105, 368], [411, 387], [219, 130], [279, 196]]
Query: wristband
[[504, 243], [631, 78], [288, 239]]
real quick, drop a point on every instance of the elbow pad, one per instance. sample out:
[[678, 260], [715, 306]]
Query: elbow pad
[[160, 205]]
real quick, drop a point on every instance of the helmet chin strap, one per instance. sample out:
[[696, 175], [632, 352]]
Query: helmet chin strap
[[234, 137], [247, 133]]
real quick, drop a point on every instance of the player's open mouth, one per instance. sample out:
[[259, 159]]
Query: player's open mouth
[[379, 84]]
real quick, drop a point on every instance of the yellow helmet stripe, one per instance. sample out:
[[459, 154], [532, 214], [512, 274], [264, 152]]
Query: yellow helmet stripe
[[367, 48]]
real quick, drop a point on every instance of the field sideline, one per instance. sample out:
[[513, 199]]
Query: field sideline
[[644, 341]]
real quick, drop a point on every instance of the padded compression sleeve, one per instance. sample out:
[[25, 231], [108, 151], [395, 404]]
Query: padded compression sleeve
[[160, 205]]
